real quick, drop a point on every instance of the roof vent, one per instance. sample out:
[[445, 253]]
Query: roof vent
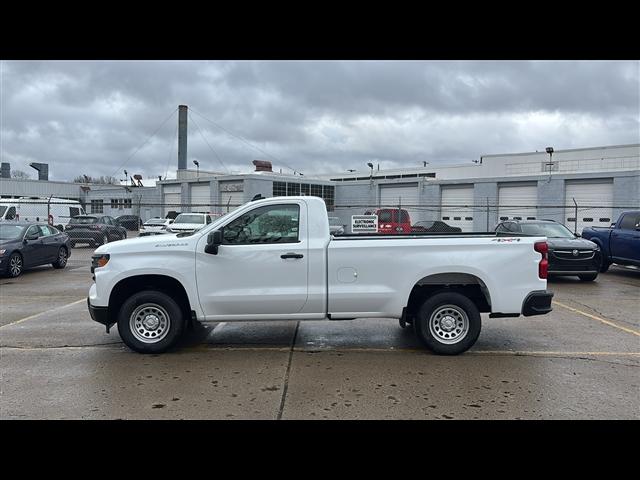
[[263, 166]]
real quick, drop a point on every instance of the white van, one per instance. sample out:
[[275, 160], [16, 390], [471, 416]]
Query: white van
[[54, 211]]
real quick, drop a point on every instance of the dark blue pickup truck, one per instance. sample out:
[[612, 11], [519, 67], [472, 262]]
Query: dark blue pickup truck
[[619, 244]]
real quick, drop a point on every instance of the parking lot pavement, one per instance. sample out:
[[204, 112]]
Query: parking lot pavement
[[580, 361]]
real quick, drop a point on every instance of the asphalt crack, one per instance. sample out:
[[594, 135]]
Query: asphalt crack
[[286, 376], [603, 315]]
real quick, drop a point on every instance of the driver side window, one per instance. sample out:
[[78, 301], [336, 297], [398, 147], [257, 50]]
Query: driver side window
[[270, 224], [33, 230]]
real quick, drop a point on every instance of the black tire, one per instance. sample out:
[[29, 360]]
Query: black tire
[[155, 302], [604, 266], [104, 240], [452, 307], [15, 265], [588, 278], [61, 261]]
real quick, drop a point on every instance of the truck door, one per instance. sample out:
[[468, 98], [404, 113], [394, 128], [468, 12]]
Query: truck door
[[261, 268], [625, 238]]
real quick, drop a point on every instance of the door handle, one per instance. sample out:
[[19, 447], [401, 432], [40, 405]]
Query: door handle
[[292, 255]]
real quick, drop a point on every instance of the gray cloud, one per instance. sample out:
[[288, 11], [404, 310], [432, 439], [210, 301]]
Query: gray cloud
[[314, 116]]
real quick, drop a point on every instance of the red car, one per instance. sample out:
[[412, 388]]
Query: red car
[[393, 220]]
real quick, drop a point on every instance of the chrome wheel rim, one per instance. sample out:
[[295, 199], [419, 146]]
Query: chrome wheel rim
[[449, 324], [62, 257], [15, 265], [149, 323], [105, 239]]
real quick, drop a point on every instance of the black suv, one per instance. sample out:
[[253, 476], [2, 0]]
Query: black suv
[[94, 230], [568, 253], [130, 222]]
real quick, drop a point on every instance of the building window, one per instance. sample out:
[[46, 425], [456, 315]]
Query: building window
[[127, 203], [305, 189], [328, 194], [316, 190], [293, 189], [279, 189], [97, 206], [114, 203]]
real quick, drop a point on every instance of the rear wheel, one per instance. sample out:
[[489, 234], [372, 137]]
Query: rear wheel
[[448, 323], [61, 260], [105, 240], [588, 278], [150, 322]]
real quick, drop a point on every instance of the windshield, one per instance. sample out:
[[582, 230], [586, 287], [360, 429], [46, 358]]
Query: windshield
[[552, 230], [187, 218], [10, 232], [84, 220]]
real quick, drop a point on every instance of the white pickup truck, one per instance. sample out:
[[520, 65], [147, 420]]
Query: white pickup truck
[[274, 259]]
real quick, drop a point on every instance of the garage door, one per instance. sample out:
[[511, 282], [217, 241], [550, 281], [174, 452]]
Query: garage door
[[457, 207], [405, 195], [594, 199], [518, 202], [200, 198], [171, 198]]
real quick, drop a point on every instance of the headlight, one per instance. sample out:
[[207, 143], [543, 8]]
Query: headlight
[[2, 251], [98, 261]]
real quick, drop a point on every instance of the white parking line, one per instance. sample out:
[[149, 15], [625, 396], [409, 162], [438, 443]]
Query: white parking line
[[43, 313]]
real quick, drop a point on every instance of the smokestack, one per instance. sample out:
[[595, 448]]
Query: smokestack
[[5, 170], [43, 170], [263, 166], [182, 137]]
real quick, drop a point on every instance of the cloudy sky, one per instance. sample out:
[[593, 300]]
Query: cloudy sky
[[97, 117]]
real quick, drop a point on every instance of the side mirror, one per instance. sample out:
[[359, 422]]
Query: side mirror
[[33, 236], [214, 240]]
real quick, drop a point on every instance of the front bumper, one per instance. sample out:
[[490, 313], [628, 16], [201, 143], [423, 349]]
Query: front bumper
[[100, 315], [537, 303]]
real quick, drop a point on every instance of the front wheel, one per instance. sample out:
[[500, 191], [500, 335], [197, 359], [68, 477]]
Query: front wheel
[[448, 323], [604, 266], [14, 269], [150, 322]]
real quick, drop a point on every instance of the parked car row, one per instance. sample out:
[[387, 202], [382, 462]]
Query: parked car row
[[588, 254]]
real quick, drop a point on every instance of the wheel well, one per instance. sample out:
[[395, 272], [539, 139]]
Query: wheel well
[[168, 285], [466, 284]]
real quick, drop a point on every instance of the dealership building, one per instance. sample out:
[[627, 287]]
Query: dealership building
[[577, 187]]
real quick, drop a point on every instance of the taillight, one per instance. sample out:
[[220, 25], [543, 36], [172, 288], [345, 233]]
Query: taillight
[[543, 266]]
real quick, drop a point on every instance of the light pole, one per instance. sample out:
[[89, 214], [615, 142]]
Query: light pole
[[549, 150], [197, 164]]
